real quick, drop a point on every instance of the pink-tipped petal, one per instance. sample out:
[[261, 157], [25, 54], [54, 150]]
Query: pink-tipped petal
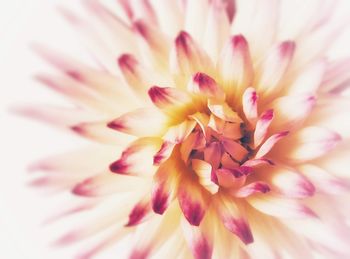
[[311, 142], [252, 188], [235, 67], [138, 213], [250, 104], [134, 123], [324, 181], [280, 207], [273, 68], [262, 127], [206, 86], [176, 134], [167, 97], [291, 111], [270, 143], [290, 183], [233, 219]]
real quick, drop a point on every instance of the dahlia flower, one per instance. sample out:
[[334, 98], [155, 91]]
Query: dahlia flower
[[220, 129]]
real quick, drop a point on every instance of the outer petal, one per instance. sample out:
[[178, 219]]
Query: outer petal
[[187, 58], [235, 68], [217, 28], [290, 183], [324, 181], [252, 188], [291, 111], [141, 122], [193, 201], [196, 17], [279, 207], [273, 68], [310, 143], [232, 218], [269, 144], [138, 157]]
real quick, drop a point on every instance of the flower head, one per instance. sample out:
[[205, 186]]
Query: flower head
[[229, 121]]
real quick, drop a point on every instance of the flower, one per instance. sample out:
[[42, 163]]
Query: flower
[[230, 122]]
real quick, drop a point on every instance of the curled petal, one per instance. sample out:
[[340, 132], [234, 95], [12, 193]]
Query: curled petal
[[223, 111], [237, 151], [212, 154], [195, 140], [258, 162], [250, 104], [269, 144], [204, 172], [177, 133], [229, 178]]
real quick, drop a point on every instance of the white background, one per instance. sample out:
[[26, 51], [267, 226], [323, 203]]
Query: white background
[[23, 141]]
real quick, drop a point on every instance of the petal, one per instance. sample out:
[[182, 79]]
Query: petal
[[237, 151], [195, 140], [250, 104], [309, 79], [324, 181], [235, 68], [257, 162], [138, 213], [336, 76], [212, 154], [78, 93], [273, 68], [229, 178], [106, 184], [204, 173], [223, 111], [196, 17], [193, 201], [200, 240], [168, 97], [164, 152], [262, 127], [134, 122], [98, 131], [269, 144], [290, 183], [137, 159], [252, 188], [205, 85], [280, 207], [217, 28], [165, 184], [251, 19], [232, 218], [291, 111], [310, 143], [187, 58], [177, 133]]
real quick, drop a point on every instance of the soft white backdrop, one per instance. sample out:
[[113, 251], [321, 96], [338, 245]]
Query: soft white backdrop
[[22, 141]]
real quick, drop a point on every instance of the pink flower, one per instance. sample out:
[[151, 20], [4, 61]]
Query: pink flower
[[226, 118]]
